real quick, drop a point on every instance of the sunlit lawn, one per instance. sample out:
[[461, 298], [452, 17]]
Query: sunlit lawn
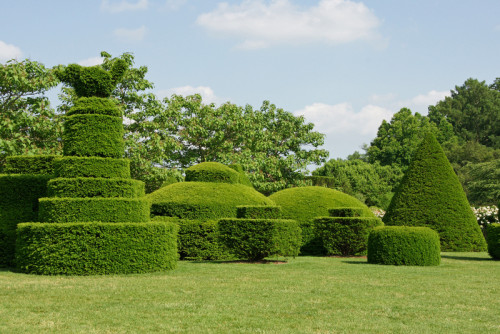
[[305, 295]]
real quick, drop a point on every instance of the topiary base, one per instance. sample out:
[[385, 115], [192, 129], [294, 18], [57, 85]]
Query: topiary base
[[96, 248]]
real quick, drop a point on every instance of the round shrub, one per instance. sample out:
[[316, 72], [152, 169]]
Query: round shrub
[[243, 176], [203, 200], [95, 187], [93, 135], [29, 164], [403, 245], [493, 239], [91, 167], [64, 209], [95, 248], [95, 105], [212, 172], [306, 203]]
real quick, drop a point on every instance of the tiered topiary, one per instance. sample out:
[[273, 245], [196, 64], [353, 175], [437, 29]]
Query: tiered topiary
[[403, 245], [493, 239], [346, 231], [306, 203], [23, 184], [430, 195], [253, 236], [95, 219]]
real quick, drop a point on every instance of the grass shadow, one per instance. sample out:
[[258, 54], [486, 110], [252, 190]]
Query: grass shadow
[[237, 261], [355, 262], [466, 258]]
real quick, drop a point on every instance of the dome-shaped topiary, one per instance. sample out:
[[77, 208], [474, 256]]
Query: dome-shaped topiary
[[203, 200], [430, 195], [212, 172]]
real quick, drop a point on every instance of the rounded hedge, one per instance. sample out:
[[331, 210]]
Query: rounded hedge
[[91, 167], [258, 211], [93, 135], [403, 245], [212, 172], [203, 200], [306, 203], [95, 248], [95, 187], [493, 239], [243, 176], [29, 164], [64, 209], [95, 105]]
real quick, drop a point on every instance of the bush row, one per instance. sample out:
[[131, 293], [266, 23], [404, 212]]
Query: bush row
[[493, 239], [258, 211], [91, 167], [95, 187], [36, 164], [64, 210], [96, 248], [95, 105]]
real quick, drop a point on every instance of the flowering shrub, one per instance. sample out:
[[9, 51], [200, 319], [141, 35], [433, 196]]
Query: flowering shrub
[[486, 215], [377, 212]]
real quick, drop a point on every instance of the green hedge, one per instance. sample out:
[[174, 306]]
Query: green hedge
[[95, 187], [26, 164], [243, 176], [255, 239], [94, 248], [403, 245], [93, 135], [198, 240], [203, 200], [306, 203], [212, 172], [346, 212], [493, 239], [64, 210], [258, 211], [95, 105], [19, 196], [345, 235], [91, 167]]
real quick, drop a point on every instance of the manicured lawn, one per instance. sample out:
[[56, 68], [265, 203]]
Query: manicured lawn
[[305, 295]]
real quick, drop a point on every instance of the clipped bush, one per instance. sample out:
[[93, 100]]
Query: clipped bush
[[96, 248], [29, 164], [19, 196], [431, 195], [306, 203], [347, 212], [91, 167], [203, 200], [493, 239], [343, 235], [258, 211], [212, 172], [243, 176], [93, 135], [256, 239], [95, 187], [95, 105], [198, 240], [64, 209], [403, 245]]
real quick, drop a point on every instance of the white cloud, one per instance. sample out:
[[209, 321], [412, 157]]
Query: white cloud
[[123, 5], [130, 35], [430, 98], [91, 61], [260, 24], [419, 103], [175, 4], [9, 51], [207, 93]]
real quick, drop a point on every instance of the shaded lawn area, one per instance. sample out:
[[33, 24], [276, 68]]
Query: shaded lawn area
[[305, 295]]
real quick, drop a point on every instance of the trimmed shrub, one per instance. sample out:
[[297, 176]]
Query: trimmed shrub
[[306, 203], [93, 135], [243, 176], [345, 235], [203, 200], [493, 239], [402, 245], [19, 196], [95, 187], [95, 105], [29, 164], [212, 172], [94, 248], [91, 167], [64, 209], [346, 212], [258, 211], [255, 239], [430, 195], [198, 240]]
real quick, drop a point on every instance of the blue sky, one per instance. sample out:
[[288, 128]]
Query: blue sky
[[344, 65]]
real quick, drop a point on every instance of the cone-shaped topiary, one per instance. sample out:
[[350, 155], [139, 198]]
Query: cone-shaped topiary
[[431, 195]]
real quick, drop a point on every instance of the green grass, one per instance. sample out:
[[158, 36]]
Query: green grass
[[305, 295]]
